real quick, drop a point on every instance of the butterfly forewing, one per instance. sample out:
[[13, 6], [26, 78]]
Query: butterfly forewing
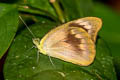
[[90, 24], [71, 44]]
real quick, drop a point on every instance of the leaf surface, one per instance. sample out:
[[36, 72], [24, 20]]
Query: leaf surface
[[22, 61], [8, 26]]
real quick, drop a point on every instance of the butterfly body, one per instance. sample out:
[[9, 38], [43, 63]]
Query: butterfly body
[[72, 42]]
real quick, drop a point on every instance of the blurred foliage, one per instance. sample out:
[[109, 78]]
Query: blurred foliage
[[21, 60], [110, 31]]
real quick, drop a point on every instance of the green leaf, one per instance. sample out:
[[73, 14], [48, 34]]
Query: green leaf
[[8, 26], [43, 5], [74, 9], [110, 23], [21, 62], [110, 31], [39, 7]]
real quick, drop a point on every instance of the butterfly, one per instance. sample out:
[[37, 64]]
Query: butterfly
[[73, 42]]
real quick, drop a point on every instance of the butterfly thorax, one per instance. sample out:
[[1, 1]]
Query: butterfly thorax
[[36, 41]]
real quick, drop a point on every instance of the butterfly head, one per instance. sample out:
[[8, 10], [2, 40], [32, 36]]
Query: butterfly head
[[37, 41]]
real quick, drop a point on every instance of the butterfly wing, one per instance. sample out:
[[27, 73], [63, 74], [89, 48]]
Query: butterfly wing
[[90, 24], [71, 44]]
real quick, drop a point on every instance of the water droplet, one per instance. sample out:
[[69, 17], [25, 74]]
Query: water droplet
[[43, 22], [25, 46], [61, 73], [103, 58], [27, 56], [17, 57], [33, 67], [20, 75], [103, 65], [73, 71]]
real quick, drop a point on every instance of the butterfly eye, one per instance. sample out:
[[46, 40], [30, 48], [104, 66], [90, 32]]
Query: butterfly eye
[[36, 41]]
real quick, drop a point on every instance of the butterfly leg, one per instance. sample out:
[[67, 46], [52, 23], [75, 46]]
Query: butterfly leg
[[38, 56], [51, 62]]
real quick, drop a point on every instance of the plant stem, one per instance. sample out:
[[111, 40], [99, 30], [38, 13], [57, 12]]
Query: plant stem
[[58, 10], [35, 11]]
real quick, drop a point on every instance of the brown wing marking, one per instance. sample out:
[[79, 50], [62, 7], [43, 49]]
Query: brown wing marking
[[78, 25]]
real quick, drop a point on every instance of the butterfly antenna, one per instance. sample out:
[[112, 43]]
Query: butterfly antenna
[[31, 34], [51, 62], [27, 27], [31, 48]]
